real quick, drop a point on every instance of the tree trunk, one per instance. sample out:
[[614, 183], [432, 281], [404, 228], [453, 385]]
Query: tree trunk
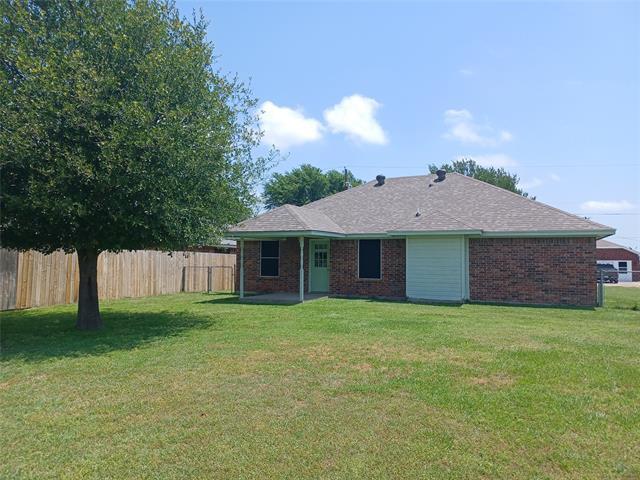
[[88, 307]]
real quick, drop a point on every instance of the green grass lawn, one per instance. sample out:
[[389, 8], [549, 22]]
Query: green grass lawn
[[199, 386]]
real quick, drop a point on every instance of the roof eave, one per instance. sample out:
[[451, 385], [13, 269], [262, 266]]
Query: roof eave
[[422, 233], [282, 234], [598, 233]]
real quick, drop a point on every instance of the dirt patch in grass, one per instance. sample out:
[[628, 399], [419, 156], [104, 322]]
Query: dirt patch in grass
[[389, 352], [499, 380], [364, 355], [363, 367]]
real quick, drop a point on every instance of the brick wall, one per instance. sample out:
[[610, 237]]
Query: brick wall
[[621, 254], [343, 269], [343, 275], [288, 279], [556, 271]]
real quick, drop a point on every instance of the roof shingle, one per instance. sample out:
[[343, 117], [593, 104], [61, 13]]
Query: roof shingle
[[289, 218], [458, 203]]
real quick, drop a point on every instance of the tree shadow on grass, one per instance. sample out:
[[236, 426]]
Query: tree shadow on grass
[[41, 334], [226, 299], [222, 299]]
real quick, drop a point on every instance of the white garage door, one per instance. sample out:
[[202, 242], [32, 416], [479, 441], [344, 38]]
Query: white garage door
[[436, 268]]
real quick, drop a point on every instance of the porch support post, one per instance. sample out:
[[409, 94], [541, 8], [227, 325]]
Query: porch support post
[[301, 241], [242, 268]]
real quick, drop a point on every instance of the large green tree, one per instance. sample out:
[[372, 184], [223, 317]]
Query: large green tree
[[305, 184], [117, 132], [495, 176]]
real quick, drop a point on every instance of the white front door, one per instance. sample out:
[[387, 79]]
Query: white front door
[[436, 268]]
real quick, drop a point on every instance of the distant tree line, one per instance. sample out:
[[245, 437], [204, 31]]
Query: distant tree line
[[495, 176], [305, 184]]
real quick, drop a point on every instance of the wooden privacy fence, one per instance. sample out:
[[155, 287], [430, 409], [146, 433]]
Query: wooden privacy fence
[[216, 278], [31, 279]]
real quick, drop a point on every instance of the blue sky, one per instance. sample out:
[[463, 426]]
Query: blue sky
[[550, 91]]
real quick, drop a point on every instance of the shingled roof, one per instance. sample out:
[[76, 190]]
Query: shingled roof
[[608, 244], [420, 204], [289, 218]]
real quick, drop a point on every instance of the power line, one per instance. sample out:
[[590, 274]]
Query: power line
[[598, 214], [540, 165]]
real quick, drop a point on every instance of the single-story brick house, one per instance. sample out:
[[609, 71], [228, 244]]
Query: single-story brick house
[[444, 237], [624, 259]]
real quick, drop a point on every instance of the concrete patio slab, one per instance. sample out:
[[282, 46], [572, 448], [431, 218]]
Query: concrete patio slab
[[282, 298]]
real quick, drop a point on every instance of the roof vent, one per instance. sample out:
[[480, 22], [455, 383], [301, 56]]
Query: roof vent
[[380, 180], [441, 175]]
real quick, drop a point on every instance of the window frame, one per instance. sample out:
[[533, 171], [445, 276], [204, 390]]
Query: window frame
[[269, 258], [374, 279], [626, 266], [324, 250]]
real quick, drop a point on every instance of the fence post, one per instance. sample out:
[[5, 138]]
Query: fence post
[[184, 277], [600, 289], [209, 279]]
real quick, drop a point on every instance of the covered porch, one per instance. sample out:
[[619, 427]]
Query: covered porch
[[283, 267]]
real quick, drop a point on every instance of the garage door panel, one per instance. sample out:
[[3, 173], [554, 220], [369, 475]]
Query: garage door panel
[[435, 268]]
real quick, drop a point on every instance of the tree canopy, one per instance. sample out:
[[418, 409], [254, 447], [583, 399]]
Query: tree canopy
[[305, 184], [117, 131], [495, 176]]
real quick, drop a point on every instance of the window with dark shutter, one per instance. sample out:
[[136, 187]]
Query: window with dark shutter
[[369, 259], [269, 258]]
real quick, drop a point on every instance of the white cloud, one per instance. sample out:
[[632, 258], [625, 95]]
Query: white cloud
[[355, 116], [466, 72], [285, 127], [455, 116], [533, 183], [505, 136], [555, 177], [613, 206], [493, 160], [463, 129]]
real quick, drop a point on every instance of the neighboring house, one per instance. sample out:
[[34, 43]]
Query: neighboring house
[[624, 259], [223, 246], [440, 238]]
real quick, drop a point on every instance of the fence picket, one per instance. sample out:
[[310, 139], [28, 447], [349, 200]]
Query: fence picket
[[35, 279]]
